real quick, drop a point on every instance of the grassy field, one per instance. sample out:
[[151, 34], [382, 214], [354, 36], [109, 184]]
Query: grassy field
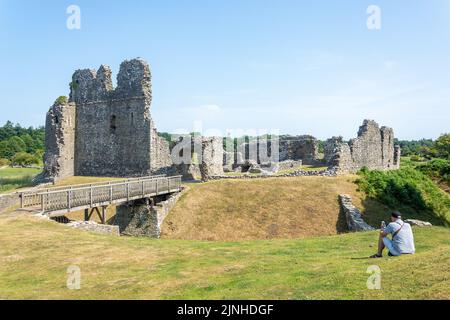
[[14, 178], [266, 208], [35, 255]]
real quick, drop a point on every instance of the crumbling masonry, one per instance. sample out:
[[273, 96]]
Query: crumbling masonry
[[104, 131], [373, 148]]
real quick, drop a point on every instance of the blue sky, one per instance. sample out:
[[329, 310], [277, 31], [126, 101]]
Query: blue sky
[[297, 66]]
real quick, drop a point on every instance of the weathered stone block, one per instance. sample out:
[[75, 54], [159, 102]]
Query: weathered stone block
[[355, 222]]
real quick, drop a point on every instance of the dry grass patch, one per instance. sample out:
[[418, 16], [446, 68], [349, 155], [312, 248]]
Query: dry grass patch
[[270, 208]]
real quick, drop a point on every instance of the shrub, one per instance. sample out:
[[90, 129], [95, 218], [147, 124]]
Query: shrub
[[61, 100], [24, 159], [409, 188], [442, 145], [416, 158], [437, 169], [4, 162]]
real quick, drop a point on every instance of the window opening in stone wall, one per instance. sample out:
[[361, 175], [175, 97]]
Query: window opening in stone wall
[[113, 124]]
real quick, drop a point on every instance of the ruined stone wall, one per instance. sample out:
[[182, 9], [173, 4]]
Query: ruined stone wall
[[142, 219], [112, 130], [297, 148], [113, 125], [355, 221], [373, 148], [305, 148], [60, 141], [397, 156], [159, 151], [212, 157]]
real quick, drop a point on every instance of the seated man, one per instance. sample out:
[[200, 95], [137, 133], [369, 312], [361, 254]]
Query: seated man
[[402, 241]]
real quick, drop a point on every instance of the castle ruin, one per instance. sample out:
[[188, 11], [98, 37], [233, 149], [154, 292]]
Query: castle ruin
[[373, 148], [106, 131]]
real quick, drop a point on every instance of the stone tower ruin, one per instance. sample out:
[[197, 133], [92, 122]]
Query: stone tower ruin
[[373, 148], [105, 131]]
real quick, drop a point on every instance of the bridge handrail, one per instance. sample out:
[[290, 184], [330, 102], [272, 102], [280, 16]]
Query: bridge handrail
[[114, 183], [37, 198], [94, 184]]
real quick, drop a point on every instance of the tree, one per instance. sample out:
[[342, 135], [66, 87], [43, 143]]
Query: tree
[[6, 151], [442, 146], [24, 159], [17, 144]]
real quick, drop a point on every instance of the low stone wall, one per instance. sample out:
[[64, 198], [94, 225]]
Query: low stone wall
[[418, 223], [355, 222], [289, 164], [164, 207], [8, 201], [141, 219], [299, 173], [95, 227]]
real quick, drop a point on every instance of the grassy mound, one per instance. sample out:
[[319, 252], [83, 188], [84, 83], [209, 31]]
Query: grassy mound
[[409, 191], [35, 256], [265, 209]]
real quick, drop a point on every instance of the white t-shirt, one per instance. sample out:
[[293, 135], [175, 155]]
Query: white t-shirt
[[403, 242]]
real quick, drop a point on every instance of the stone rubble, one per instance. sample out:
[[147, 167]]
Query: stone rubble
[[95, 227], [299, 173], [418, 223]]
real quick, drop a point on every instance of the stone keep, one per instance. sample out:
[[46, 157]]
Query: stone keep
[[106, 131], [373, 148]]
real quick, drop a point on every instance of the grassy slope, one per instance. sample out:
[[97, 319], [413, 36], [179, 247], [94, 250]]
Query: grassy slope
[[14, 178], [35, 255], [265, 209]]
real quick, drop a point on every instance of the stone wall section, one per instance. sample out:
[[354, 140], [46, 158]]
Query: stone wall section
[[305, 148], [212, 157], [94, 227], [106, 131], [373, 148], [60, 141], [355, 221], [141, 218]]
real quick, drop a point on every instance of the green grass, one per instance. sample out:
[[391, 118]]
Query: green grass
[[14, 178], [35, 255]]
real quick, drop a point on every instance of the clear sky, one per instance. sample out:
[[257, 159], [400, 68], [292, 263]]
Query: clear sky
[[303, 67]]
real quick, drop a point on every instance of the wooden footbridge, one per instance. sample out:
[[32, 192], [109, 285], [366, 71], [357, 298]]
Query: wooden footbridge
[[57, 202]]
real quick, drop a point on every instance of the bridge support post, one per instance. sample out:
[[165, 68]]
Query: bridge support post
[[103, 215]]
